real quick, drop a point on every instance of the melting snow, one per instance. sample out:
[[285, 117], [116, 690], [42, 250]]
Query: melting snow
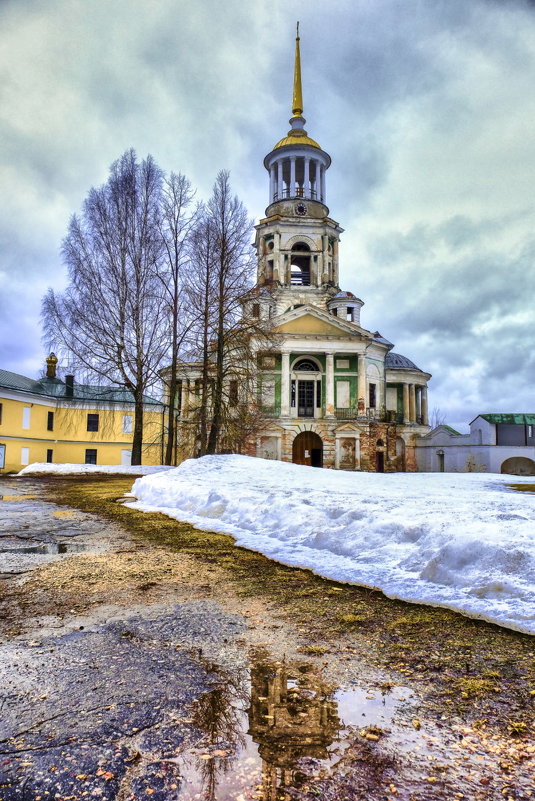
[[464, 541], [77, 469]]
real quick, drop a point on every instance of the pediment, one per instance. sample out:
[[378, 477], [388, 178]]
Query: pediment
[[350, 428], [311, 320]]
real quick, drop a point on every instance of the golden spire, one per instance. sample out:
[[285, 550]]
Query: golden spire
[[297, 103]]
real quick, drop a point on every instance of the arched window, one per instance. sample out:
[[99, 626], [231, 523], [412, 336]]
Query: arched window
[[306, 366], [300, 264]]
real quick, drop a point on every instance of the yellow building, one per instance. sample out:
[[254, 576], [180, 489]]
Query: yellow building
[[50, 420]]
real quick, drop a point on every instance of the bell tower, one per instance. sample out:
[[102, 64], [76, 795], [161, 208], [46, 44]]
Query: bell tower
[[297, 242]]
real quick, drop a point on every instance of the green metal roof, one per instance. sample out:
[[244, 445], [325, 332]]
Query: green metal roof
[[55, 388], [510, 419]]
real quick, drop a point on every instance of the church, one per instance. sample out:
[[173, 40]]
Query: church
[[332, 393]]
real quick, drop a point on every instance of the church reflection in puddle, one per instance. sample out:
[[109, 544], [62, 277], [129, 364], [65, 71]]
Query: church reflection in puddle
[[292, 716], [257, 748]]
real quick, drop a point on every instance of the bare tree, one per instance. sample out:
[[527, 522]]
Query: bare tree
[[110, 319], [176, 223], [231, 230], [438, 418], [201, 295]]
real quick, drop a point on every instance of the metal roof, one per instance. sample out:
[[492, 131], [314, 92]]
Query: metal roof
[[511, 419], [55, 388], [395, 361]]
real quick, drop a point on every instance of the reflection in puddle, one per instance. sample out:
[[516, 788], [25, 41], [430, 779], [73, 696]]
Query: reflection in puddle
[[292, 728], [46, 548]]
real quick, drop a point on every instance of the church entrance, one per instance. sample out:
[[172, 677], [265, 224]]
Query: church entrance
[[308, 449]]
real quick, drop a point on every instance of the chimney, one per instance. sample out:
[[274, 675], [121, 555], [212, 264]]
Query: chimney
[[69, 386], [51, 363]]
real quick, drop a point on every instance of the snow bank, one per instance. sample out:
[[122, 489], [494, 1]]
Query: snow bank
[[463, 541], [78, 469]]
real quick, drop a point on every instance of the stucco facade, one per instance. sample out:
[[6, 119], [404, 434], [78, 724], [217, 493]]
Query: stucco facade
[[50, 420]]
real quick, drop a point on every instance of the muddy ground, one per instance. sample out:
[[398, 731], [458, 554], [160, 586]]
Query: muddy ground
[[141, 658]]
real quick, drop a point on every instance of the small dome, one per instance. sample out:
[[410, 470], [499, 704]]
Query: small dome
[[395, 361], [345, 295]]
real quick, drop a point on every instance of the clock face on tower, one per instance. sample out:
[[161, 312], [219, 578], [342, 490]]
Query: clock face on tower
[[300, 209]]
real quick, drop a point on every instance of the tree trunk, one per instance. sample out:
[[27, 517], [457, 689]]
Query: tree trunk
[[137, 442]]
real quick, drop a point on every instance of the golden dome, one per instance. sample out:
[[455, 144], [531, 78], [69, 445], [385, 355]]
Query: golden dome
[[294, 138]]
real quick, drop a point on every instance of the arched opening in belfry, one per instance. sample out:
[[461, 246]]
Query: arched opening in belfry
[[300, 265]]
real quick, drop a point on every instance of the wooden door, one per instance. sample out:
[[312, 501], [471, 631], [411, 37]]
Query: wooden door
[[308, 449]]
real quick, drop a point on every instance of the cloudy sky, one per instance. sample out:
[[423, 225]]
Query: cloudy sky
[[427, 108]]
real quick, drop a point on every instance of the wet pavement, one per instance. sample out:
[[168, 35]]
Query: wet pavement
[[33, 533]]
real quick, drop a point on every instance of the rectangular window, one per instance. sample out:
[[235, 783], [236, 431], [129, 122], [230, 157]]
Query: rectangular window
[[25, 456], [349, 314], [127, 423], [233, 391], [90, 455], [26, 411], [256, 309], [318, 393], [50, 421], [49, 455], [372, 396], [1, 409], [92, 425]]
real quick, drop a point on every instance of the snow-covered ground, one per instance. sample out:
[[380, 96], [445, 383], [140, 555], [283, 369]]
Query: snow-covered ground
[[464, 541], [78, 469]]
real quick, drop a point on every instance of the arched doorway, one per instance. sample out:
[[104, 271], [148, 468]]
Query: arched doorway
[[308, 449], [519, 466]]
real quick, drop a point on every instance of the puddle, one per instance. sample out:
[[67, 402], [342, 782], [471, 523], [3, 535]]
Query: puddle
[[47, 548], [292, 729], [522, 487]]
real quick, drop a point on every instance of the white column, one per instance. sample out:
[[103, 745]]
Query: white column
[[285, 384], [329, 385], [412, 403], [279, 180], [406, 412], [272, 183], [306, 179], [292, 177], [322, 179], [425, 417]]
